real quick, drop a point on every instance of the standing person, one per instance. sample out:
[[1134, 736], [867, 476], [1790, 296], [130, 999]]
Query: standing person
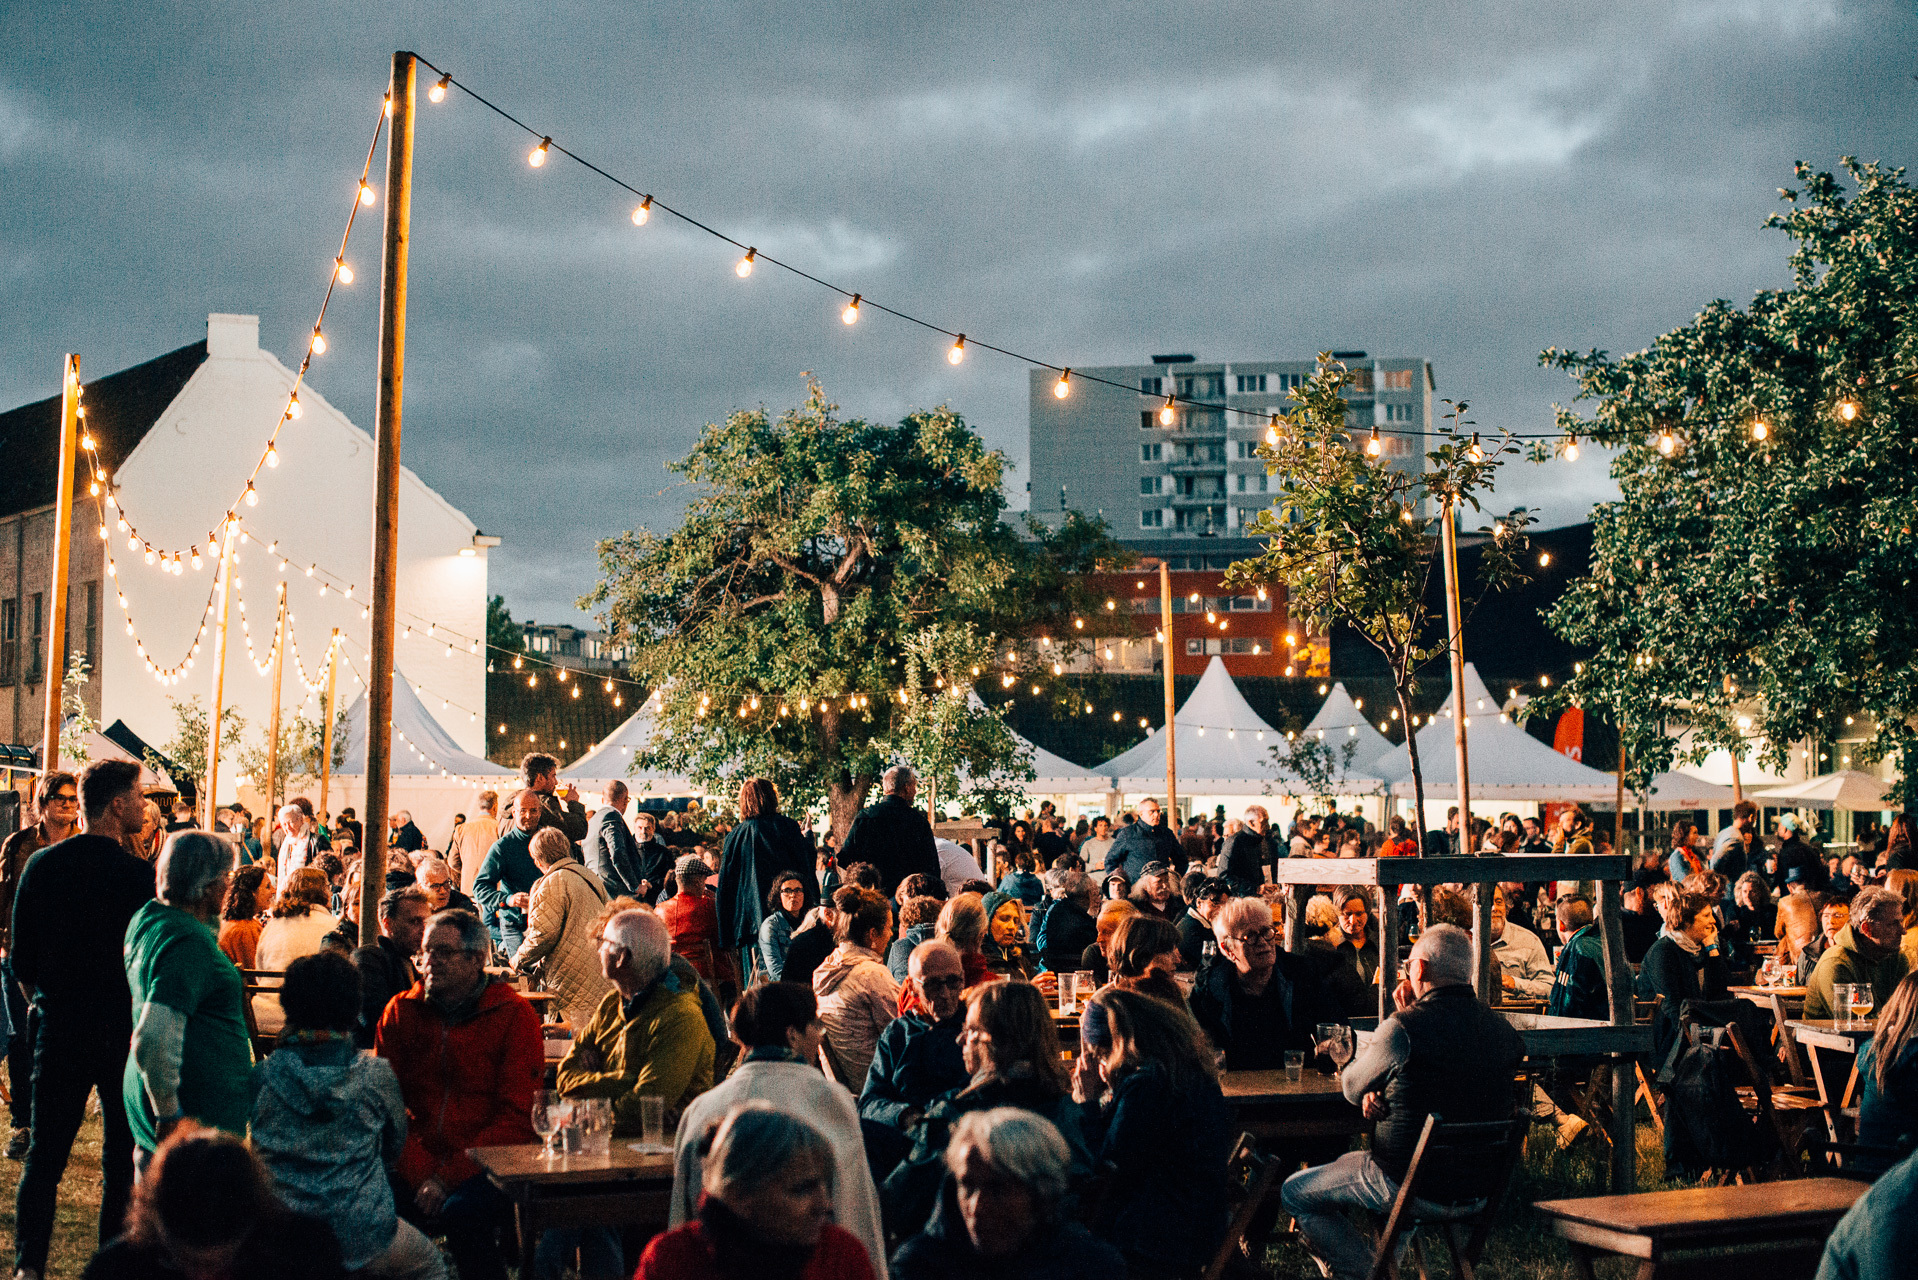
[[765, 846], [503, 887], [1248, 855], [1794, 852], [299, 844], [562, 944], [655, 858], [386, 967], [70, 915], [539, 773], [1740, 847], [56, 800], [472, 839], [893, 835], [1683, 862], [1093, 848], [1144, 842], [1443, 1051], [610, 851], [468, 1054], [957, 866], [405, 836], [694, 924], [190, 1057]]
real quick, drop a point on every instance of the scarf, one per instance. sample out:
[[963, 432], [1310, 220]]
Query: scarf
[[740, 1252], [1693, 949]]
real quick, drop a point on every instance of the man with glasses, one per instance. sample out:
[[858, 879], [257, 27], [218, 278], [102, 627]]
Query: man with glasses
[[57, 797], [436, 878], [1262, 1001], [917, 1058]]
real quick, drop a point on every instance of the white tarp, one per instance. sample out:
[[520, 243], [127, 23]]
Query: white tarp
[[1846, 789], [1340, 721], [1223, 749], [1506, 763], [1678, 790], [421, 748], [612, 758]]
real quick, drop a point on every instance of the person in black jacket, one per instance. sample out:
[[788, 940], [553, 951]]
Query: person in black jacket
[[1259, 1001], [1248, 852], [1684, 964], [1444, 1051], [765, 845], [656, 858], [1195, 926], [386, 967], [1146, 841], [892, 835], [610, 851], [1067, 927], [70, 916]]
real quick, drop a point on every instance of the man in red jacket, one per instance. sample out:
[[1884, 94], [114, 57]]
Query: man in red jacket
[[469, 1057]]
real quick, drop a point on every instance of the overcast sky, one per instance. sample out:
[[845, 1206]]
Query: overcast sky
[[1091, 183]]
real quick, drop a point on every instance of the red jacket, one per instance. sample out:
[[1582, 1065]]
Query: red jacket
[[693, 922], [465, 1085], [685, 1253]]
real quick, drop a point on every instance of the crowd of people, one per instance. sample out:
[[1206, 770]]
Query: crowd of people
[[855, 1043]]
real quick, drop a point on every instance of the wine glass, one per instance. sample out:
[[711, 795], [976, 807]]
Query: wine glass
[[546, 1118], [1344, 1043], [1862, 1002]]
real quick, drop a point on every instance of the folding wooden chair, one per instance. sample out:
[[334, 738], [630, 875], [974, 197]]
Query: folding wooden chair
[[1492, 1144], [255, 982], [1774, 1104], [1787, 1043], [1249, 1176]]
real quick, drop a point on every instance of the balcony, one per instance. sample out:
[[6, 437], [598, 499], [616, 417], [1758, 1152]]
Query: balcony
[[1190, 500], [1190, 466]]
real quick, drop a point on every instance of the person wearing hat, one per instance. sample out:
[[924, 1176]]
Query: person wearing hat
[[1153, 894], [1794, 852], [692, 918], [1639, 921]]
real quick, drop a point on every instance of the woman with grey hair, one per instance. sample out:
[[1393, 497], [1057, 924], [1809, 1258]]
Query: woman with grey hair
[[190, 1055], [765, 1210], [1002, 1208]]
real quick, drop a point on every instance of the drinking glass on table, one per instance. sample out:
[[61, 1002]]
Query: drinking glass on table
[[594, 1119], [1841, 1005], [549, 1116], [1294, 1065], [1862, 1002], [652, 1122], [1323, 1038]]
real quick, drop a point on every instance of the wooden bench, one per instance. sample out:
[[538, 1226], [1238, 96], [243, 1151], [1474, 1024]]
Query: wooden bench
[[1757, 1231]]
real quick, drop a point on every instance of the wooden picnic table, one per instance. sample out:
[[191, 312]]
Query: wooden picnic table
[[1822, 1036], [1758, 1231], [1276, 1109], [1783, 1003], [619, 1189]]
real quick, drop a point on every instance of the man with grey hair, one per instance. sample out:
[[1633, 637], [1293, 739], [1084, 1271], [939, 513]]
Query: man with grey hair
[[1445, 1051], [1260, 1001], [190, 1055], [1865, 951], [611, 852], [1003, 1207], [648, 1036], [299, 843], [893, 835]]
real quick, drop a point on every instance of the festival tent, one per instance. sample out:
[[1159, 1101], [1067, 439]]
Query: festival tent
[[612, 758], [429, 775], [1340, 721], [1506, 763], [1846, 789], [1675, 791], [1223, 749], [1052, 775]]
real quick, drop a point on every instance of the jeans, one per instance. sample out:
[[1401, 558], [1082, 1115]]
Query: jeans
[[598, 1247], [472, 1216], [1318, 1196], [66, 1067], [20, 1048]]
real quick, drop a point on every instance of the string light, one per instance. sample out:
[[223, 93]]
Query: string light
[[538, 155], [272, 456], [744, 267], [643, 211], [366, 193], [438, 92], [851, 314], [1667, 442], [1848, 409], [1760, 429], [1571, 449], [342, 272], [1168, 415], [958, 350], [1373, 446], [1063, 387], [1473, 452]]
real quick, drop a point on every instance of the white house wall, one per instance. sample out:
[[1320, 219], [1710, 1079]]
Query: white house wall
[[317, 505]]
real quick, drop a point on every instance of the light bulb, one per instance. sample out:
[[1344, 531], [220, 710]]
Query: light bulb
[[319, 343], [150, 557], [386, 105], [1848, 409], [133, 543], [851, 314], [252, 496], [1063, 387], [1760, 430], [1571, 450], [86, 442], [744, 267], [103, 533], [272, 456], [121, 524], [293, 409], [643, 212], [958, 351], [537, 156], [1544, 559], [196, 558], [1666, 443], [342, 271], [1167, 414], [366, 194], [1473, 452], [438, 92], [1373, 446]]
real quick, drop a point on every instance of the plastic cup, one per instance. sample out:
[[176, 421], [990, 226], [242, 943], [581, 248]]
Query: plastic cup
[[652, 1121]]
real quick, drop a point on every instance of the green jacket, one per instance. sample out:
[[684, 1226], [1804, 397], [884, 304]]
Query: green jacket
[[1578, 979], [1842, 963], [655, 1044]]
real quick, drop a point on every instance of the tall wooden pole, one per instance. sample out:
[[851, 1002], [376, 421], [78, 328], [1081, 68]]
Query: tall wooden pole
[[273, 718], [326, 733], [1484, 969], [229, 529], [62, 541], [1171, 738], [386, 488]]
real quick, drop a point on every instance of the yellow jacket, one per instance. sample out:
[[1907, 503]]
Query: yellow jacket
[[658, 1046]]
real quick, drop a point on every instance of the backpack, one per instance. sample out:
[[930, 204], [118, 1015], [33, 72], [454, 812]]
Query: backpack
[[1706, 1127]]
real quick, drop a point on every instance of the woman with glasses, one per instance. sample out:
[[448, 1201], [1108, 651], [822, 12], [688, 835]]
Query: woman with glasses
[[1261, 1001], [785, 906]]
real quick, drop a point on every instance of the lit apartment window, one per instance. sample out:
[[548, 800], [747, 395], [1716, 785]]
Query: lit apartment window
[[1251, 383], [1152, 518], [1361, 380], [1151, 453], [1151, 485]]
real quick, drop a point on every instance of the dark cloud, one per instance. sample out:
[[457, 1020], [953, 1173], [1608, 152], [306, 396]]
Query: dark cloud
[[1089, 183]]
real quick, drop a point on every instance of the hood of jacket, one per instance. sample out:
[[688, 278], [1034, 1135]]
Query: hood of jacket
[[311, 1080], [836, 968]]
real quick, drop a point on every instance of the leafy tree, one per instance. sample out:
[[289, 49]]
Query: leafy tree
[[502, 633], [75, 721], [1755, 578], [301, 746], [1321, 766], [829, 578], [1350, 539], [187, 748]]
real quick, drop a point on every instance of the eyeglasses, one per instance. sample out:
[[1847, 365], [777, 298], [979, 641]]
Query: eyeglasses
[[64, 797], [1263, 934]]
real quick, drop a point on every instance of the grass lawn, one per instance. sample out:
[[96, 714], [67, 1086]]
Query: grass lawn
[[76, 1227]]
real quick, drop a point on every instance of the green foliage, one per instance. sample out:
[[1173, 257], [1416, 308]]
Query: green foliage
[[1350, 537], [187, 748], [301, 745], [502, 633], [75, 721], [1766, 579], [827, 576], [1322, 766]]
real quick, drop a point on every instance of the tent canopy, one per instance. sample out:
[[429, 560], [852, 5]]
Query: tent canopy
[[1846, 789], [1506, 762], [1224, 748], [1051, 774], [612, 759], [1679, 790], [421, 748], [1340, 721]]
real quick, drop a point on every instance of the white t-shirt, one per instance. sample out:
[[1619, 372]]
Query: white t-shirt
[[1093, 850], [956, 865]]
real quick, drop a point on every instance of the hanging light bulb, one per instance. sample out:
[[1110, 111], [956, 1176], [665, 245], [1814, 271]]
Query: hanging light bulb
[[1667, 442], [1571, 449], [196, 559], [342, 272], [103, 533], [252, 497], [958, 351], [366, 193], [86, 442], [851, 314], [537, 156], [1272, 432], [1373, 446], [744, 267], [1759, 429], [121, 524], [1473, 451], [133, 542], [1848, 409], [150, 557], [1063, 387], [293, 409], [438, 92], [1167, 414], [272, 456], [643, 211]]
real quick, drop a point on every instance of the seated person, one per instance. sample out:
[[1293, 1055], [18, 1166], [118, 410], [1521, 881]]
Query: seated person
[[1145, 955], [1524, 969], [1005, 948], [1866, 950], [857, 995], [918, 1057], [1156, 894], [1195, 926], [1004, 1205], [1888, 1072], [1260, 1001], [1351, 979], [1444, 1048], [469, 1057], [1578, 979], [777, 1028], [1638, 919], [386, 968], [1878, 1236], [1097, 958], [1067, 928], [1165, 1131], [785, 907], [811, 943], [766, 1194], [918, 921], [1684, 964], [328, 1122]]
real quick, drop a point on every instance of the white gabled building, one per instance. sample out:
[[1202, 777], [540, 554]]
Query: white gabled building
[[180, 434]]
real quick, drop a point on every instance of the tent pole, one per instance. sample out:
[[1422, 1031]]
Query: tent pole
[[1482, 963], [229, 527], [326, 733], [273, 779]]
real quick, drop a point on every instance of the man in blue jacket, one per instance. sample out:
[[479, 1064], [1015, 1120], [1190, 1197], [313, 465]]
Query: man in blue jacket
[[504, 882], [1145, 841], [918, 1057]]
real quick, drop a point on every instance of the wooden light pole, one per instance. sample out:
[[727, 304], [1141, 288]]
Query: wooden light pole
[[229, 529], [386, 487], [62, 542], [326, 733], [273, 718], [1483, 966], [1171, 738]]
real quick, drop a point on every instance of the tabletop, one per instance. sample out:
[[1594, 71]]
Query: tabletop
[[1273, 1086], [1763, 995], [527, 1164], [1828, 1033], [1713, 1210]]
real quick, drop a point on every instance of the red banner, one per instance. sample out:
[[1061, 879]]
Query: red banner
[[1569, 738]]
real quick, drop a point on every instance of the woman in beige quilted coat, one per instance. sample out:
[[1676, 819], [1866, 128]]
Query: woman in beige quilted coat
[[562, 946]]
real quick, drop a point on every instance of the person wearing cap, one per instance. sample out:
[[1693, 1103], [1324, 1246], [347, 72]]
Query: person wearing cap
[[1195, 926], [1638, 922], [1794, 852], [1153, 894], [692, 918]]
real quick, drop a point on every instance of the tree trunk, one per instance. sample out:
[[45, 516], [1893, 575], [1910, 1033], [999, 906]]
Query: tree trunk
[[1412, 753], [845, 797]]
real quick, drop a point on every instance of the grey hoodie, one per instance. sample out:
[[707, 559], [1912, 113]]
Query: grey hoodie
[[329, 1122]]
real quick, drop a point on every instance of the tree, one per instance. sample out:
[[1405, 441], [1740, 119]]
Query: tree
[[187, 748], [75, 721], [829, 577], [502, 633], [1349, 532], [301, 746], [1755, 577]]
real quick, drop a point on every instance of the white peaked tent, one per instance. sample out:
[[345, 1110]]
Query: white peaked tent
[[1677, 791], [1846, 789], [1506, 762], [612, 758], [1340, 721], [1224, 749], [1052, 775], [430, 776]]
